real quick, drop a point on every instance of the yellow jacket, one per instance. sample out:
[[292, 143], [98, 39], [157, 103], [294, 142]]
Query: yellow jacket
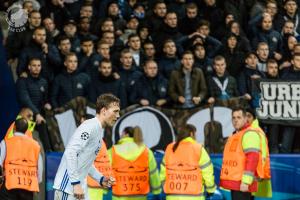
[[264, 188]]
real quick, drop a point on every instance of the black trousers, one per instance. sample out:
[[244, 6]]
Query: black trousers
[[15, 194], [238, 195]]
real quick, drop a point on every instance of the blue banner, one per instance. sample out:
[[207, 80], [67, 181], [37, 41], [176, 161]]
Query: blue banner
[[285, 171]]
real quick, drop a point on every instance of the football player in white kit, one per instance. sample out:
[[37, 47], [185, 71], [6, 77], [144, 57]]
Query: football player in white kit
[[81, 151]]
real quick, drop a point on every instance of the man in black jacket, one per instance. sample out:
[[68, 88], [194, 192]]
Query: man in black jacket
[[151, 87], [69, 83], [39, 48], [103, 81], [32, 92]]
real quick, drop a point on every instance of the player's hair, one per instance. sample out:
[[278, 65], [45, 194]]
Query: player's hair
[[105, 100]]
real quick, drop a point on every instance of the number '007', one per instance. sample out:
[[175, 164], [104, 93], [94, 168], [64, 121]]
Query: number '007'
[[178, 186]]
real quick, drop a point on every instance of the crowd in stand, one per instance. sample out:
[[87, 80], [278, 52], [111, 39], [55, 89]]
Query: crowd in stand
[[169, 53]]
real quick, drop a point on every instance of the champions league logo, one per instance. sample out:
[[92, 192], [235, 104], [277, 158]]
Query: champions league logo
[[16, 18]]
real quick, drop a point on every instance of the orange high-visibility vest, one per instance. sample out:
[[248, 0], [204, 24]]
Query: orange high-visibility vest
[[10, 131], [132, 177], [234, 158], [102, 164], [21, 163], [183, 173]]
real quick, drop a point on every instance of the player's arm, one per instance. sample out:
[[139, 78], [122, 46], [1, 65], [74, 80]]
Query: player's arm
[[95, 174], [77, 143]]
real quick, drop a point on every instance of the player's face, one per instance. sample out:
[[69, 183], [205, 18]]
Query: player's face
[[112, 113]]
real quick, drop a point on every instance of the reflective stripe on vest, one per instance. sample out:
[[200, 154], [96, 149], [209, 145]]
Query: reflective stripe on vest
[[263, 168], [21, 163], [183, 173], [132, 177], [234, 158], [102, 164]]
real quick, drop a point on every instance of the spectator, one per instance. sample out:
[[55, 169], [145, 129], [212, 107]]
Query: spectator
[[296, 48], [129, 74], [151, 88], [88, 60], [243, 43], [221, 86], [64, 47], [32, 92], [262, 52], [84, 28], [288, 46], [211, 44], [28, 5], [178, 7], [103, 51], [273, 129], [188, 24], [257, 8], [18, 41], [267, 34], [233, 56], [202, 61], [139, 11], [115, 45], [290, 74], [215, 15], [169, 60], [272, 69], [134, 44], [288, 28], [149, 50], [47, 53], [272, 9], [59, 12], [144, 33], [87, 10], [70, 30], [113, 12], [131, 28], [169, 30], [238, 9], [248, 76], [103, 81], [156, 20], [51, 29], [106, 24], [291, 13], [69, 83], [191, 90]]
